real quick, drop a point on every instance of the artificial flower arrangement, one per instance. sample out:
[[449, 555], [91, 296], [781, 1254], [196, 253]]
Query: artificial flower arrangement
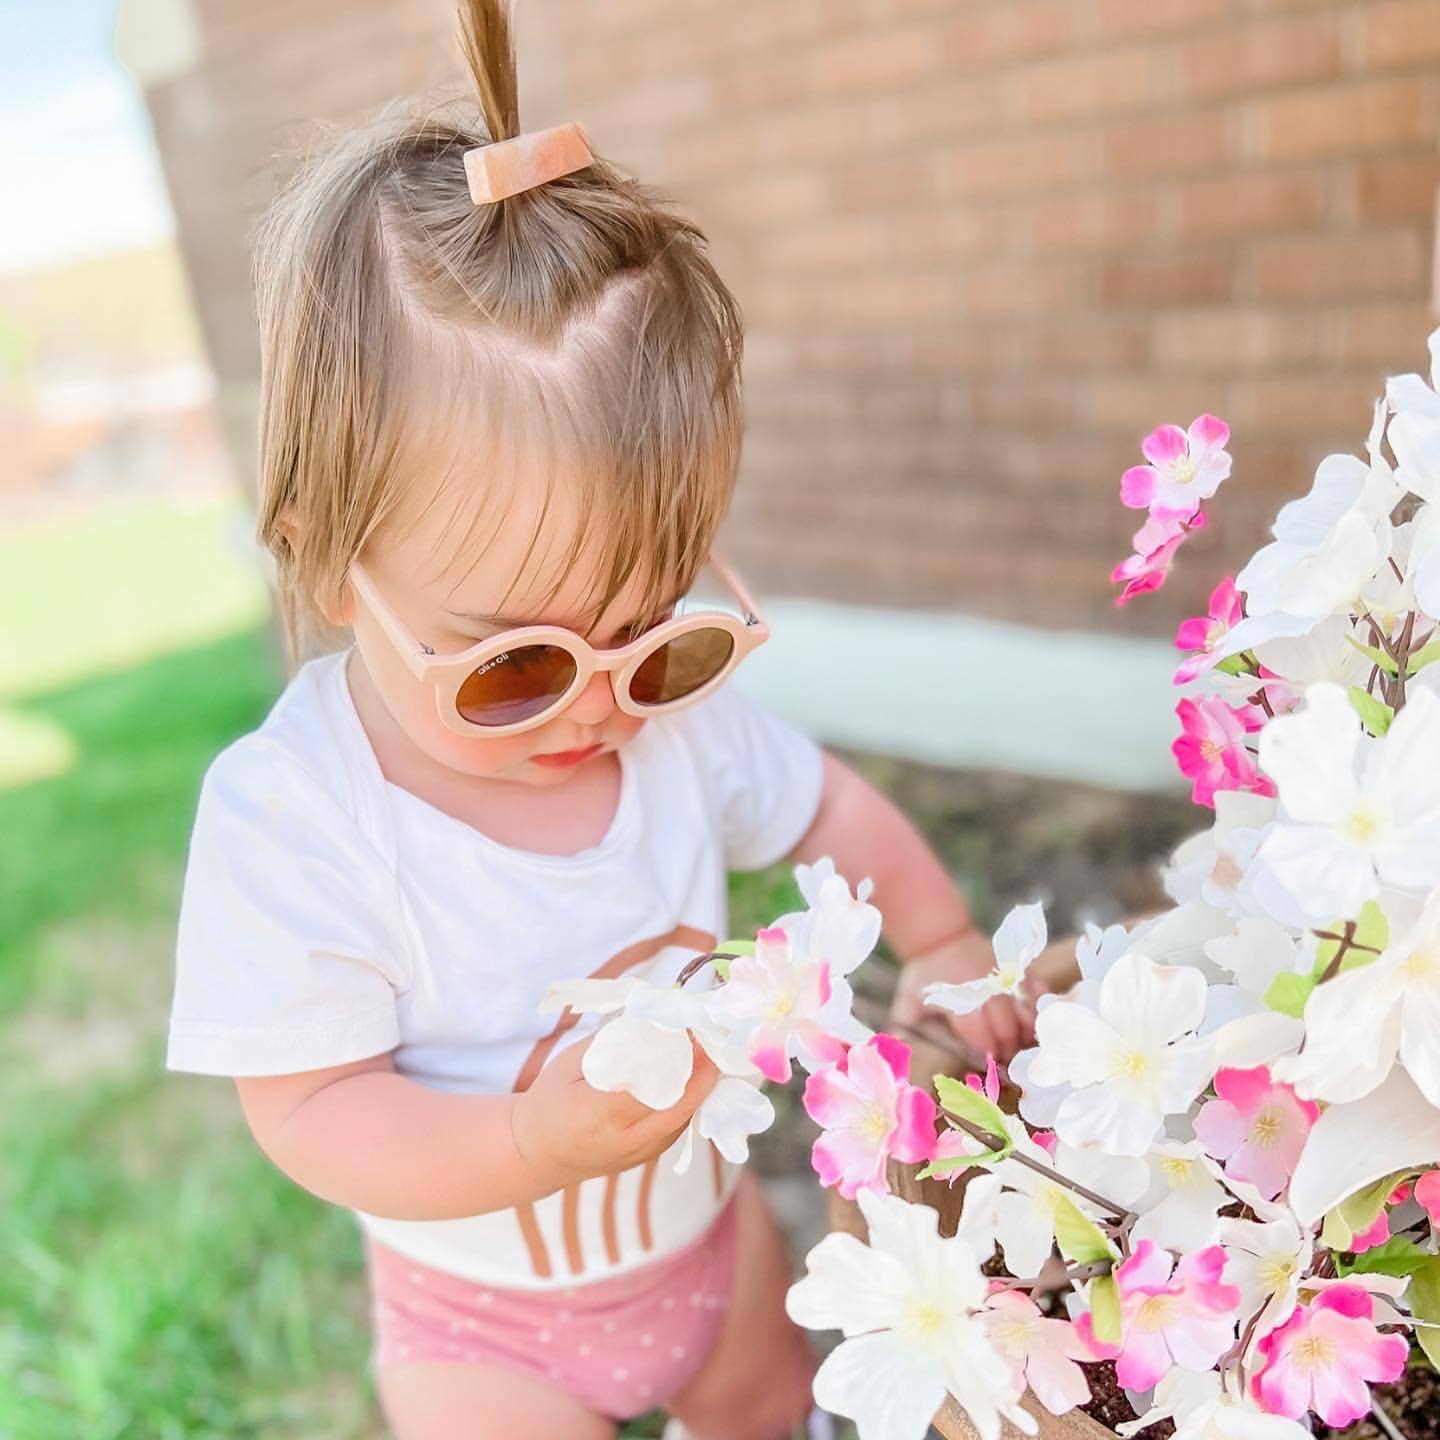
[[1224, 1177]]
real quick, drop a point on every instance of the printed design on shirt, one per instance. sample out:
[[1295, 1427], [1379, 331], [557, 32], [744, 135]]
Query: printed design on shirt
[[690, 938]]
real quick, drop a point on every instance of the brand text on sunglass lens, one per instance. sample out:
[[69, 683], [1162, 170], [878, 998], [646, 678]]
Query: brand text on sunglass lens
[[491, 664]]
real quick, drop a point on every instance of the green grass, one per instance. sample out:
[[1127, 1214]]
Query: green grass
[[160, 1279]]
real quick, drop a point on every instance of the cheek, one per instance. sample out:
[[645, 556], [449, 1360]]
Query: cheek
[[412, 705]]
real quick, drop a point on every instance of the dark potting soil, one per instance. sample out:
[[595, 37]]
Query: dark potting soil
[[1110, 1405], [1412, 1404]]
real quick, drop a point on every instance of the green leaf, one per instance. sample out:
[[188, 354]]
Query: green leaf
[[1234, 665], [1289, 992], [737, 947], [1399, 1255], [960, 1100], [1358, 1212], [1423, 657], [722, 969], [1080, 1239], [1105, 1309], [941, 1169], [1423, 1297], [1375, 713], [1372, 652], [1372, 930]]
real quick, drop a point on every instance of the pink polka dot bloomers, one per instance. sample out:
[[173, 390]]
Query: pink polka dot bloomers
[[620, 1346]]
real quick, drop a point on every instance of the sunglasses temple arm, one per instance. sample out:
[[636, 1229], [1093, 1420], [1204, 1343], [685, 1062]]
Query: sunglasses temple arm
[[738, 586], [415, 654]]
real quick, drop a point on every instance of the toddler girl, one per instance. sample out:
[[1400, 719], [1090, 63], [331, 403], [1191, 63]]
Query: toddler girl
[[491, 402]]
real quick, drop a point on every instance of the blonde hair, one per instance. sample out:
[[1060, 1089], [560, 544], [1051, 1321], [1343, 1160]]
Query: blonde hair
[[582, 319]]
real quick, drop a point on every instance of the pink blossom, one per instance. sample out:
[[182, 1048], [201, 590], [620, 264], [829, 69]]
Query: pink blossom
[[869, 1112], [1185, 1319], [1186, 467], [1156, 542], [1321, 1357], [1427, 1192], [1211, 751], [1257, 1128], [787, 1003], [1205, 632], [1042, 1352], [988, 1084]]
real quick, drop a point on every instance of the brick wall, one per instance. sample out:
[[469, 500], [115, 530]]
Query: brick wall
[[982, 245]]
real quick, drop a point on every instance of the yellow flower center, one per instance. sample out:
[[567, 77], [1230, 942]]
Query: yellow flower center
[[922, 1320], [1177, 1170], [1183, 470], [1011, 1336], [1155, 1312], [1275, 1272], [1265, 1132], [876, 1124], [780, 1006], [1423, 967], [1129, 1065], [1314, 1353], [1364, 823]]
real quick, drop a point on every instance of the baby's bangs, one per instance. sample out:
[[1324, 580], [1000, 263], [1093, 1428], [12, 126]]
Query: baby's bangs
[[613, 499]]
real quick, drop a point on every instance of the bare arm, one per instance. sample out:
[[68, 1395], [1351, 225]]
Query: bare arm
[[365, 1136], [927, 921], [867, 834]]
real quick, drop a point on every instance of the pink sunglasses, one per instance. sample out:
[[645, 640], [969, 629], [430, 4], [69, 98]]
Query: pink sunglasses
[[521, 678]]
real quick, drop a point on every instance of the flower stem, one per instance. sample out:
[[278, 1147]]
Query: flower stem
[[1072, 1272], [694, 966], [994, 1142]]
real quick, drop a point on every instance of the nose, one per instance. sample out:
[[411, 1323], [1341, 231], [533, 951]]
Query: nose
[[596, 702]]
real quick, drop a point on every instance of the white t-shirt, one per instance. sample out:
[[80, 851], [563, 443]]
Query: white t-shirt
[[329, 915]]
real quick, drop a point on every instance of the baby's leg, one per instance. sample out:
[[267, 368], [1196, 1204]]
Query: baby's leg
[[756, 1383], [479, 1402]]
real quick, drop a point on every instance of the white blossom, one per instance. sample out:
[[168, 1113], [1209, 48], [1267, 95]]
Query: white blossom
[[1353, 807], [1020, 938], [906, 1305], [1359, 1023], [838, 927], [1131, 1061]]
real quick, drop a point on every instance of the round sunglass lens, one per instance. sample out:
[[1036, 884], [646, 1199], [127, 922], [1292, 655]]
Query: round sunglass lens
[[516, 685], [681, 666]]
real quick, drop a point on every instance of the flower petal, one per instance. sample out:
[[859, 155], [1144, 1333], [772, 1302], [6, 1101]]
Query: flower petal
[[634, 1056], [890, 1389]]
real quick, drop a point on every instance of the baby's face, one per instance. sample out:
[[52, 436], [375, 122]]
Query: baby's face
[[444, 602]]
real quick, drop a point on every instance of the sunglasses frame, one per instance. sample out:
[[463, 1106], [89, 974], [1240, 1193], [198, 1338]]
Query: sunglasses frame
[[448, 673]]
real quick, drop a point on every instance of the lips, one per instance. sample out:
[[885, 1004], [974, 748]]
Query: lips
[[563, 758]]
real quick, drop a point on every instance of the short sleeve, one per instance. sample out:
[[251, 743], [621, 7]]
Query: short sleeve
[[286, 956], [763, 775]]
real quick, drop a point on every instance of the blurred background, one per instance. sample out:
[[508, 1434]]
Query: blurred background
[[982, 247]]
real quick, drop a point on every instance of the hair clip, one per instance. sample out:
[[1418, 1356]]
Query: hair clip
[[510, 166]]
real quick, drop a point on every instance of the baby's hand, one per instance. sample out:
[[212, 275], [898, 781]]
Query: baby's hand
[[564, 1127], [1000, 1027]]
